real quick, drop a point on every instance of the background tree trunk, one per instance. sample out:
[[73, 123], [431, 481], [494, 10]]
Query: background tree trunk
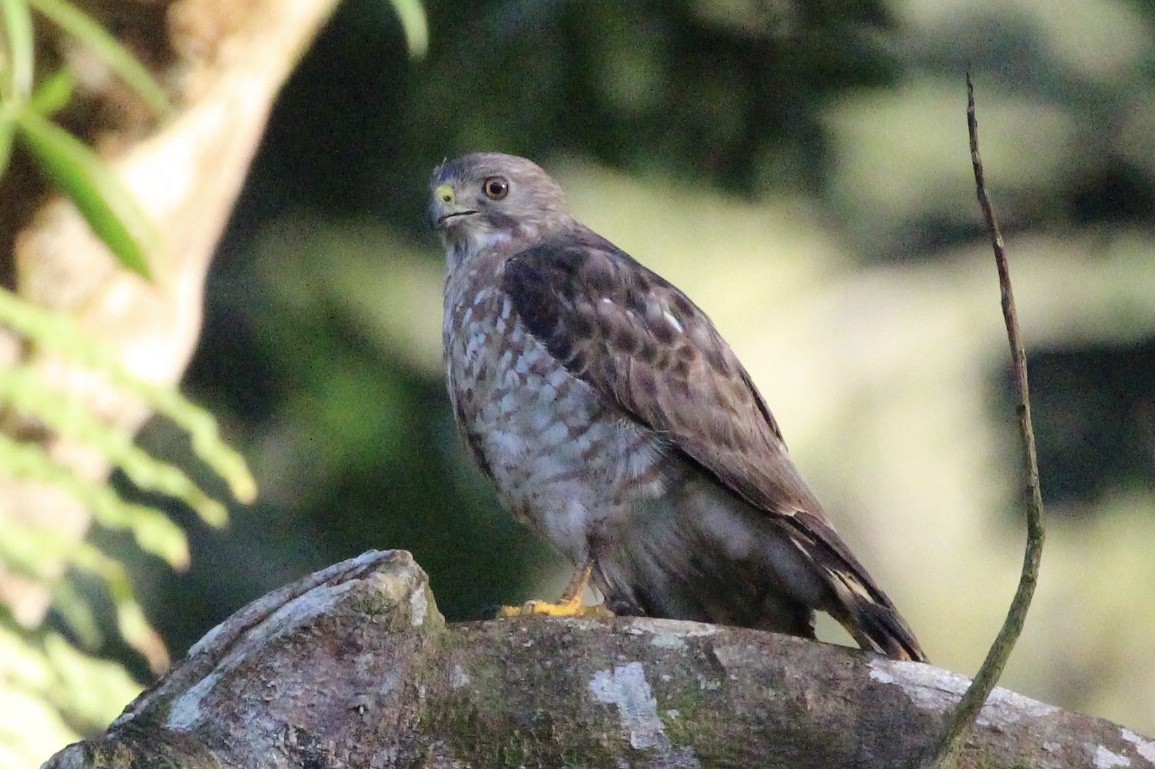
[[354, 666], [223, 65]]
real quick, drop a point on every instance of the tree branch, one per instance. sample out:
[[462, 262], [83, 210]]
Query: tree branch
[[354, 666]]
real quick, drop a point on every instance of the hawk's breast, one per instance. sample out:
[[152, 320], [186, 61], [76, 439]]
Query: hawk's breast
[[561, 458]]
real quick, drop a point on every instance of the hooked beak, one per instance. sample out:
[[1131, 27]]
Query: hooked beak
[[443, 209]]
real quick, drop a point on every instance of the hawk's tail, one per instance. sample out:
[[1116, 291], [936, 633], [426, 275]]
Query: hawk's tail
[[858, 603], [873, 621]]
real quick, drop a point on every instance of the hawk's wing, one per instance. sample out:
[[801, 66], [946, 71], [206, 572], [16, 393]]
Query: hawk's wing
[[641, 343]]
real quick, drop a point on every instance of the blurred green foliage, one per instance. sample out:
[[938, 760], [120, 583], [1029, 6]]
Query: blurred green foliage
[[40, 556], [72, 167], [53, 686]]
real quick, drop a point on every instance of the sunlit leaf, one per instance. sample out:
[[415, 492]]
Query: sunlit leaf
[[16, 24], [87, 31], [151, 529], [206, 442], [24, 391], [77, 614], [24, 545], [57, 333], [90, 691], [109, 207], [53, 94], [32, 700], [415, 26], [38, 553], [7, 135], [130, 619]]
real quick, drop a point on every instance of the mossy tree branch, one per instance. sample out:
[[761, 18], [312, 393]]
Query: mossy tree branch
[[354, 666]]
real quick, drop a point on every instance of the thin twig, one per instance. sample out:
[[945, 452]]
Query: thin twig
[[942, 753]]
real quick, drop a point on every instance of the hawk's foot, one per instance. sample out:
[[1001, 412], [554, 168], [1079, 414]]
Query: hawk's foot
[[560, 609], [570, 604]]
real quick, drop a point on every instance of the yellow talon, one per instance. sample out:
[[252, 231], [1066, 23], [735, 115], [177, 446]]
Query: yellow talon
[[569, 605]]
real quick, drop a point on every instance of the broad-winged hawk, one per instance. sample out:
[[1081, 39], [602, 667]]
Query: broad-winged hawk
[[613, 418]]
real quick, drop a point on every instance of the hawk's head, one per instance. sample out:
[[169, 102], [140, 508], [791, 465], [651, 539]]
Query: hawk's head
[[489, 199]]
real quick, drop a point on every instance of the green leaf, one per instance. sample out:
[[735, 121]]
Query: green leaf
[[130, 619], [16, 23], [109, 207], [415, 26], [38, 553], [77, 614], [107, 48], [57, 333], [206, 441], [7, 134], [23, 549], [89, 692], [53, 94], [23, 390], [151, 529]]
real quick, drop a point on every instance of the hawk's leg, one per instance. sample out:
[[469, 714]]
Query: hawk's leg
[[569, 605]]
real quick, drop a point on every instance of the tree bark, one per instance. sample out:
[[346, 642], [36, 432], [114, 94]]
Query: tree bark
[[354, 666]]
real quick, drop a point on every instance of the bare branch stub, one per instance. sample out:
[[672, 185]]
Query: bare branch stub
[[947, 745]]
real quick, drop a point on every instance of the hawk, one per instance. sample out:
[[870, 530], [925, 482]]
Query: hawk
[[614, 419]]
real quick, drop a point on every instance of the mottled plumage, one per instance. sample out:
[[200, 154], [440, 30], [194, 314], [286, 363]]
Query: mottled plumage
[[614, 419]]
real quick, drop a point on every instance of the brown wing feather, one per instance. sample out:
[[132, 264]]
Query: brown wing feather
[[641, 343], [615, 324]]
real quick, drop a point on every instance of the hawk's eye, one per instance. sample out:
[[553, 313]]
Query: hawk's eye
[[495, 187]]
